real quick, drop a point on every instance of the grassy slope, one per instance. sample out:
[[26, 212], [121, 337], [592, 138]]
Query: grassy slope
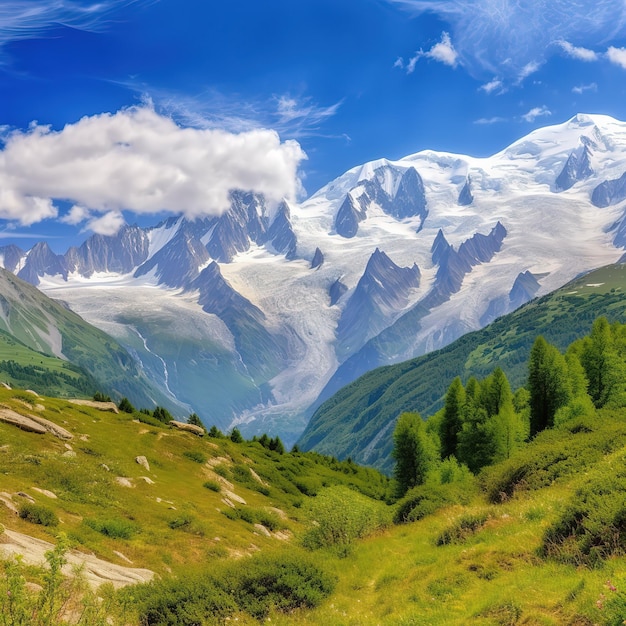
[[358, 420], [87, 491], [28, 316], [494, 576]]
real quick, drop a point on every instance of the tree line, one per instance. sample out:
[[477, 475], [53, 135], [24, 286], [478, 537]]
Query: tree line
[[484, 422]]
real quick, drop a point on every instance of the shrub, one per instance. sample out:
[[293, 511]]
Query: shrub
[[281, 583], [38, 514], [341, 515], [593, 526], [462, 529], [195, 455], [116, 528], [213, 485]]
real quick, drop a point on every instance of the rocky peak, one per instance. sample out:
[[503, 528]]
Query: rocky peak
[[318, 259], [577, 167], [280, 234], [119, 253], [348, 217], [10, 257], [465, 196], [42, 260]]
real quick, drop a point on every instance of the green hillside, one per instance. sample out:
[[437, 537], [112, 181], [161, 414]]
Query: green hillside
[[29, 320], [237, 532], [357, 421]]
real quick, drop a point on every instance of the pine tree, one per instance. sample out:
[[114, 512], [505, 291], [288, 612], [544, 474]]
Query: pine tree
[[412, 452], [236, 436], [603, 367], [451, 420], [548, 384], [126, 406], [195, 420]]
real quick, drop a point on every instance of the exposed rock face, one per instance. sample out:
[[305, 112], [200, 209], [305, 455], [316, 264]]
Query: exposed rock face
[[21, 421], [348, 217], [337, 289], [577, 167], [609, 192], [143, 461], [40, 261], [177, 263], [280, 234], [382, 291], [260, 349], [191, 428], [118, 253], [524, 288], [408, 199], [96, 571], [102, 406], [318, 259], [233, 230], [465, 196], [10, 257], [453, 265]]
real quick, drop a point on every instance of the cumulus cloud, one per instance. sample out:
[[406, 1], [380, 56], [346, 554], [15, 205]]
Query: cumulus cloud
[[443, 52], [107, 224], [536, 112], [140, 161], [617, 56], [579, 53], [506, 37]]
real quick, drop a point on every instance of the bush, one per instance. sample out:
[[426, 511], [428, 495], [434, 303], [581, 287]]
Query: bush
[[462, 529], [213, 485], [593, 527], [553, 455], [195, 456], [115, 528], [38, 514], [341, 515], [283, 583]]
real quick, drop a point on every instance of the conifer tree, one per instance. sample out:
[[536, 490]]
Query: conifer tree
[[603, 367], [451, 420], [548, 384], [412, 452]]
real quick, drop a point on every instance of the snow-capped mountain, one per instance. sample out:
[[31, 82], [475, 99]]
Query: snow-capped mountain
[[255, 316]]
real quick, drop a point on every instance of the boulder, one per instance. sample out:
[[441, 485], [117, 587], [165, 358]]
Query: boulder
[[192, 428]]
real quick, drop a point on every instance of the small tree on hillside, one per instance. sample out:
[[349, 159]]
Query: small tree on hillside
[[236, 436], [194, 420], [126, 406], [548, 384], [412, 451], [451, 420]]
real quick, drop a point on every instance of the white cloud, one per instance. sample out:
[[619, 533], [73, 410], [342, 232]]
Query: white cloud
[[493, 85], [490, 120], [140, 161], [536, 112], [503, 37], [527, 70], [26, 19], [617, 56], [579, 53], [107, 224], [443, 52], [580, 89], [291, 116], [76, 215]]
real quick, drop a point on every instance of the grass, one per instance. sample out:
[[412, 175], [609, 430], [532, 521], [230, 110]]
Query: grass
[[482, 562]]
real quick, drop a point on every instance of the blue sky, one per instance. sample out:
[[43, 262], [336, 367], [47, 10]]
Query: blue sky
[[122, 111]]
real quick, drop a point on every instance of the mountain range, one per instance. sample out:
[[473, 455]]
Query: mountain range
[[257, 316]]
